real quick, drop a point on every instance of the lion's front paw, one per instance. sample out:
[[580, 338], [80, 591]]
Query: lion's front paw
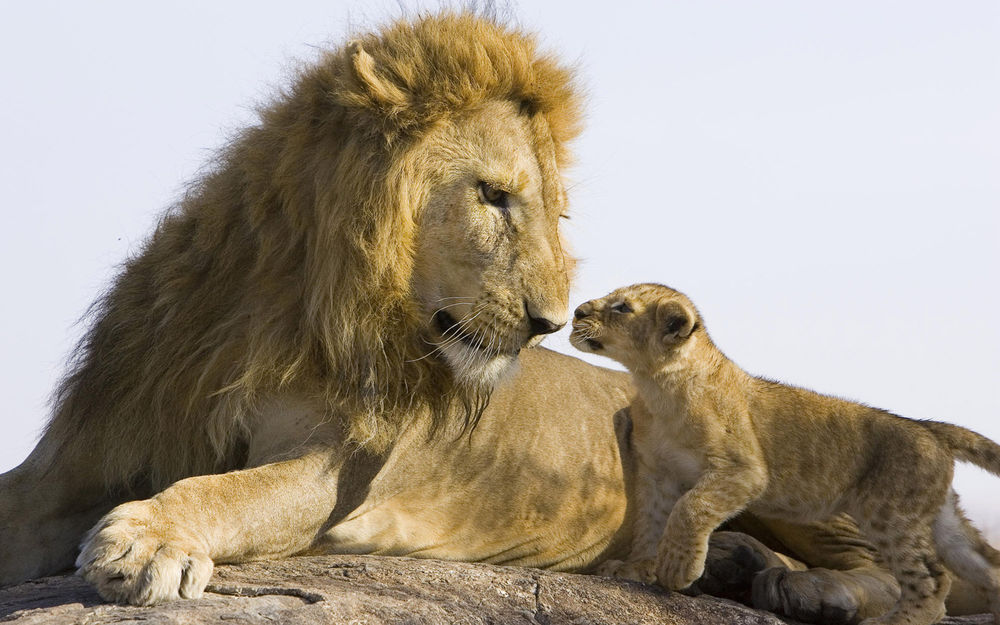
[[130, 558], [643, 570], [732, 561], [812, 596]]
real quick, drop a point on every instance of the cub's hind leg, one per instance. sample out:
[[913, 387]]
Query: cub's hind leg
[[966, 552], [907, 548]]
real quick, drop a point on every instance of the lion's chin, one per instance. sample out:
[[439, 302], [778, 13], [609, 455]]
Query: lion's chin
[[477, 369]]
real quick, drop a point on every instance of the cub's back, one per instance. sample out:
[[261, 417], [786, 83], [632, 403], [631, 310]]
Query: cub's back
[[832, 443]]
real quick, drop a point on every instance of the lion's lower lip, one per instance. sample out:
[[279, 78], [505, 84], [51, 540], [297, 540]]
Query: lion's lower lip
[[594, 345], [449, 329]]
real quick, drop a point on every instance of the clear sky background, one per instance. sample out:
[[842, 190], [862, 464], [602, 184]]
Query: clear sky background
[[823, 179]]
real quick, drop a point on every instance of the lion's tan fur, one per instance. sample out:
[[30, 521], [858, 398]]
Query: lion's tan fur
[[288, 266]]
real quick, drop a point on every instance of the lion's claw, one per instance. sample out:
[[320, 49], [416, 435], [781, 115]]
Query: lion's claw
[[130, 560]]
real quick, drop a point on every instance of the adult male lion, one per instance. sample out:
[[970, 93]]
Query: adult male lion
[[328, 311]]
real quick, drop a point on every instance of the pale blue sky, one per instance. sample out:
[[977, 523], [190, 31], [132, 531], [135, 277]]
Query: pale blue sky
[[821, 178]]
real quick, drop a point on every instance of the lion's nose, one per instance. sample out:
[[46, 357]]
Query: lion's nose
[[538, 325], [583, 310], [541, 325]]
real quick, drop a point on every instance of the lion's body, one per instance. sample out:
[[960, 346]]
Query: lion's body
[[323, 316], [491, 497]]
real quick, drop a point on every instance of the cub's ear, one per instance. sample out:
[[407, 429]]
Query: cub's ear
[[674, 320]]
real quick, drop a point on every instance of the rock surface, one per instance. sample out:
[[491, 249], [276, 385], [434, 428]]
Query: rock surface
[[371, 590]]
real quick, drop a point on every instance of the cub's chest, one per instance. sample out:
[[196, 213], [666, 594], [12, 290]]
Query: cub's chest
[[669, 453]]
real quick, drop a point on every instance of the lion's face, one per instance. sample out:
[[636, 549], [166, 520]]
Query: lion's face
[[490, 273]]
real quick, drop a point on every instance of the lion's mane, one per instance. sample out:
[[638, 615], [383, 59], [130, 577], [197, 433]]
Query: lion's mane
[[287, 266]]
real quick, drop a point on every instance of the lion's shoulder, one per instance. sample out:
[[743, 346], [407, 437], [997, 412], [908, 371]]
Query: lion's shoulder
[[546, 361], [558, 383]]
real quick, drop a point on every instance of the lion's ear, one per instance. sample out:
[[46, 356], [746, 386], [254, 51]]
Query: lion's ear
[[379, 88], [674, 320]]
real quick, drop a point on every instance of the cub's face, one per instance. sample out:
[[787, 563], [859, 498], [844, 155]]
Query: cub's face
[[490, 273], [639, 325]]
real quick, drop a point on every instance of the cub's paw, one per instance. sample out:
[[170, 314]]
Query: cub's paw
[[680, 569], [608, 568], [130, 557], [643, 570]]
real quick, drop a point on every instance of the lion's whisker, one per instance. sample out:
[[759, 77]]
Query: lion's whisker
[[466, 300], [431, 318], [455, 332], [459, 328]]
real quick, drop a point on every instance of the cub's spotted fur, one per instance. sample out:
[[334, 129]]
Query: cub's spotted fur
[[741, 442]]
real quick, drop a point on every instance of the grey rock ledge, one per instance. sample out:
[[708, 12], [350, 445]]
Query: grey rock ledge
[[375, 590]]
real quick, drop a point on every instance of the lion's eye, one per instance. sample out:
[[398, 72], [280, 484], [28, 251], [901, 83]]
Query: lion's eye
[[488, 194], [621, 307]]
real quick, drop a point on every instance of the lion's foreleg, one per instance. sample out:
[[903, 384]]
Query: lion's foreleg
[[847, 584], [145, 552], [828, 596], [46, 504]]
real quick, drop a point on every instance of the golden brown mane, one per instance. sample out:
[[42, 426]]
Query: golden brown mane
[[288, 265]]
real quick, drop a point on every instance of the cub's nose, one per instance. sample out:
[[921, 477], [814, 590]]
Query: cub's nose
[[583, 310]]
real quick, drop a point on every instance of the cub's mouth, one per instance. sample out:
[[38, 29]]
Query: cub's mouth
[[579, 335], [593, 344]]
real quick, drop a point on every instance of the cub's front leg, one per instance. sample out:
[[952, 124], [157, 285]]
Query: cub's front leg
[[149, 551], [654, 499], [718, 495]]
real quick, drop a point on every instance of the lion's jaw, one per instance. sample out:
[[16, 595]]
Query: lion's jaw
[[477, 369], [489, 260]]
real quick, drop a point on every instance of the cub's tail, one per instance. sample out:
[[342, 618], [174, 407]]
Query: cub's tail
[[967, 445]]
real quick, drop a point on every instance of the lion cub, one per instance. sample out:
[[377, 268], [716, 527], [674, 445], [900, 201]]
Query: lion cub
[[734, 442]]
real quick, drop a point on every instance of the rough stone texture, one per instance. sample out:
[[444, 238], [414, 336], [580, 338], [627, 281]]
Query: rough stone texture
[[369, 590]]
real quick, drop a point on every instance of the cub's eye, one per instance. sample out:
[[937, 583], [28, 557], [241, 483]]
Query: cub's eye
[[488, 194], [621, 307]]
